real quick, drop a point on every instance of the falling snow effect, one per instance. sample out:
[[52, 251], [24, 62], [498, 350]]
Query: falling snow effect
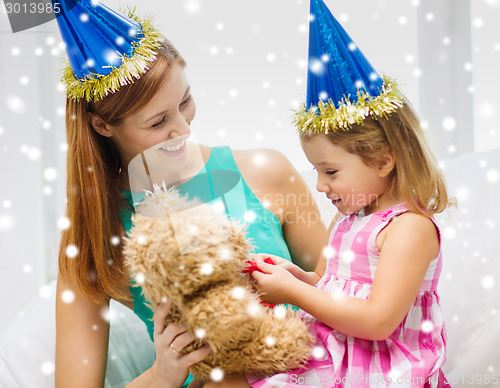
[[207, 269], [50, 174], [225, 253], [347, 256], [47, 368], [488, 282], [254, 309], [140, 278], [16, 104], [200, 333], [270, 341], [217, 374], [492, 176], [328, 252], [192, 7], [317, 67], [250, 216], [238, 293], [67, 296], [279, 312], [449, 124], [218, 206], [7, 222], [469, 238], [427, 326], [45, 292], [72, 251], [107, 314]]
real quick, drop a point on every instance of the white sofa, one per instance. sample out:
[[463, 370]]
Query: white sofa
[[470, 294], [27, 346], [470, 283]]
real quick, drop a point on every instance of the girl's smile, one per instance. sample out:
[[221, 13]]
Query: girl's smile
[[346, 179]]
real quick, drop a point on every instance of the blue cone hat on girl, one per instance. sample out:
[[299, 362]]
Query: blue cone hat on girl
[[343, 88], [106, 50]]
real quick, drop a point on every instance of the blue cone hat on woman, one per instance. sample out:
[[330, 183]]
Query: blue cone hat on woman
[[106, 50], [343, 88]]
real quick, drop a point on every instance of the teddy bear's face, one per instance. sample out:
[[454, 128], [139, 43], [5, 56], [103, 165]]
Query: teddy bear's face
[[175, 247]]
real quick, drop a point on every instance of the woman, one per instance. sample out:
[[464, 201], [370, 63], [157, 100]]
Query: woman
[[104, 135]]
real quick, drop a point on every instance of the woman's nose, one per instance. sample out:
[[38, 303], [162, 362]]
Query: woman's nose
[[180, 127]]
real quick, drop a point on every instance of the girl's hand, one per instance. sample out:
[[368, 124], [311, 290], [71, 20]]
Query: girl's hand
[[274, 282], [280, 262], [171, 367]]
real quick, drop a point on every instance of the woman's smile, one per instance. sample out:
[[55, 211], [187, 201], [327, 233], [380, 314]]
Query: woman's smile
[[174, 150]]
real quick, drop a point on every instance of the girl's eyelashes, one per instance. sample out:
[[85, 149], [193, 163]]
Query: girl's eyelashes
[[186, 101], [183, 103], [328, 172]]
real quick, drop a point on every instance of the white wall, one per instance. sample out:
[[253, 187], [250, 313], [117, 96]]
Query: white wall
[[247, 67], [31, 162], [485, 16]]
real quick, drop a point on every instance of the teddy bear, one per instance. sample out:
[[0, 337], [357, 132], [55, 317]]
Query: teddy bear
[[192, 254]]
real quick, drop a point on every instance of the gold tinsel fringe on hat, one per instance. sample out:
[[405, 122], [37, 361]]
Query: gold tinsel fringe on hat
[[97, 86], [326, 117]]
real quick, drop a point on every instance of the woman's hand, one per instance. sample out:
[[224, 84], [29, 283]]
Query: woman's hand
[[171, 367], [274, 281]]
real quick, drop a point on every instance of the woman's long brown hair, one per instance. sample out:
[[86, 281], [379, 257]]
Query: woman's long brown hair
[[94, 199]]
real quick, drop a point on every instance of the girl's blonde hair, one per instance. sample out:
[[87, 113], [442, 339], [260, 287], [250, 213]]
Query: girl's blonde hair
[[94, 199], [416, 176]]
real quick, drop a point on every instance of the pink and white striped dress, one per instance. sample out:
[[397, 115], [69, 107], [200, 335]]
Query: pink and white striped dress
[[412, 356]]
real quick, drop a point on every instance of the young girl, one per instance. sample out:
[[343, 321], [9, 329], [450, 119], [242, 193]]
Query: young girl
[[372, 302], [375, 309]]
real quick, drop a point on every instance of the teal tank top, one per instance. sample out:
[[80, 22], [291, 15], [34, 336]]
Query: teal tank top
[[219, 179]]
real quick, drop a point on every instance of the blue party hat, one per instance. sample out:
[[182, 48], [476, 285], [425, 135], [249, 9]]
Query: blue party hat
[[343, 88], [106, 50]]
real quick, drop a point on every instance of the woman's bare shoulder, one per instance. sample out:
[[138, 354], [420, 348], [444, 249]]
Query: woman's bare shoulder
[[267, 164]]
